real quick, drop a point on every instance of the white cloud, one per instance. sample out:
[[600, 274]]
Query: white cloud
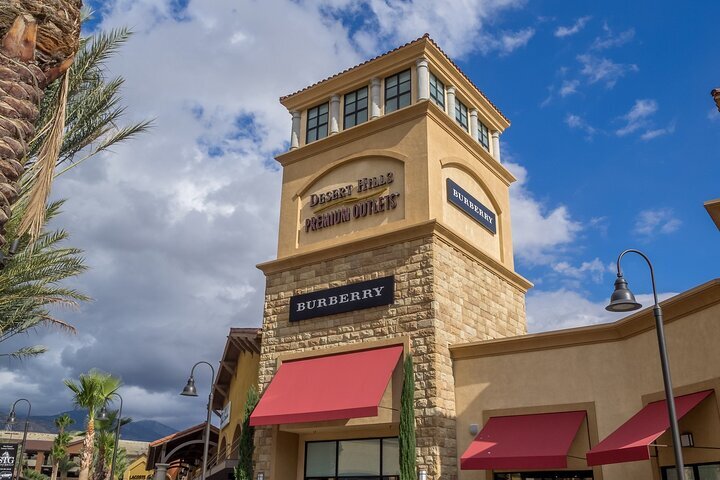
[[610, 39], [658, 132], [579, 24], [564, 308], [579, 123], [656, 221], [511, 41], [638, 116], [603, 70], [539, 232], [569, 87], [594, 268]]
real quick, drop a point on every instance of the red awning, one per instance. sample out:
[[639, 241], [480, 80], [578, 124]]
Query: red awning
[[630, 442], [333, 387], [523, 442]]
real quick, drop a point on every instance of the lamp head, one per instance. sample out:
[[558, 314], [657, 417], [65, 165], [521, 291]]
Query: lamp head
[[11, 418], [622, 299], [190, 390], [103, 414]]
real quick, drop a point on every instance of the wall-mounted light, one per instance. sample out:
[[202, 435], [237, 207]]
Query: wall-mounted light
[[422, 475], [474, 428], [686, 440], [261, 476]]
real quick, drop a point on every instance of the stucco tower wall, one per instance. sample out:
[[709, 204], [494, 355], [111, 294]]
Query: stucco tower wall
[[443, 295]]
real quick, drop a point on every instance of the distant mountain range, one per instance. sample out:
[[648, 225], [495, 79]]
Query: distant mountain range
[[141, 430]]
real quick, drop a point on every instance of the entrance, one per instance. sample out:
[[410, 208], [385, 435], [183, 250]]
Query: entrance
[[365, 459]]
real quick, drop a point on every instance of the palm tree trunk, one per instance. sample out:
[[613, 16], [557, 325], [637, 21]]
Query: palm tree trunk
[[32, 55], [56, 466], [86, 454]]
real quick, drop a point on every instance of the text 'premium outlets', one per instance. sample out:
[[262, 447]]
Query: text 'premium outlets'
[[347, 298]]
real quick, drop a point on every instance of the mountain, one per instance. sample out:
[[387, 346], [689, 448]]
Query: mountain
[[141, 430]]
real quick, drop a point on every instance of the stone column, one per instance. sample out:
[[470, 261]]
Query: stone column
[[334, 114], [375, 98], [496, 145], [295, 132], [451, 102], [160, 471], [474, 124], [423, 79]]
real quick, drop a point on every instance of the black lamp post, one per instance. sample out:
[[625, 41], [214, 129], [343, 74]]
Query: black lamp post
[[103, 415], [623, 300], [11, 420], [191, 391]]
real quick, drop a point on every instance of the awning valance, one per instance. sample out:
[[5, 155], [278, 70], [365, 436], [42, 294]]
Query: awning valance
[[333, 387], [523, 442], [631, 440]]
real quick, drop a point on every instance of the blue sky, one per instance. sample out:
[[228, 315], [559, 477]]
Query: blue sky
[[614, 140]]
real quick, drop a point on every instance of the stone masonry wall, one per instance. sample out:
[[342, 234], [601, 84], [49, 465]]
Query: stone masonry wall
[[442, 297]]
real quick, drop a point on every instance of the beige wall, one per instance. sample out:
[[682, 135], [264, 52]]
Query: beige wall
[[614, 368], [246, 376]]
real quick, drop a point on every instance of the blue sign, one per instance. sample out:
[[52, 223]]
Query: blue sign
[[470, 205]]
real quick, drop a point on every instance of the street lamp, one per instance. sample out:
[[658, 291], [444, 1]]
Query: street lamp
[[191, 391], [623, 300], [103, 415], [11, 420]]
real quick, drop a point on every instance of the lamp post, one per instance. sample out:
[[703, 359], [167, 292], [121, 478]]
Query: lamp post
[[191, 391], [11, 420], [623, 300], [103, 416]]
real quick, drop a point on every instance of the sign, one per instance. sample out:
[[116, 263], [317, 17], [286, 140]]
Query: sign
[[347, 298], [8, 453], [225, 415], [368, 196], [470, 205]]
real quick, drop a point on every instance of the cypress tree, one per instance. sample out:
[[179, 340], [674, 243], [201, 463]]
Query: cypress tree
[[244, 469], [407, 423]]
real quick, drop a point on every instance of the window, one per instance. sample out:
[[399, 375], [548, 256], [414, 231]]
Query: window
[[706, 471], [371, 458], [545, 475], [461, 114], [356, 107], [397, 91], [482, 134], [317, 123], [437, 91]]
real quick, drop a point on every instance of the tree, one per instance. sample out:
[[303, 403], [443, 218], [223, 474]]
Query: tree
[[60, 444], [91, 392], [105, 444], [246, 448], [29, 283], [39, 41], [406, 438]]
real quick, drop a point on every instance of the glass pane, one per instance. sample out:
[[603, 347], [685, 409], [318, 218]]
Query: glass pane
[[391, 81], [350, 121], [405, 87], [349, 98], [322, 131], [391, 105], [358, 457], [323, 108], [404, 100], [672, 474], [362, 116], [391, 457], [362, 103], [362, 93], [709, 472], [320, 460], [405, 76]]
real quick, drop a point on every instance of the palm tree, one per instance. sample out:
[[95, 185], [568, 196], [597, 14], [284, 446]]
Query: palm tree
[[29, 282], [105, 443], [91, 392], [39, 41], [60, 444]]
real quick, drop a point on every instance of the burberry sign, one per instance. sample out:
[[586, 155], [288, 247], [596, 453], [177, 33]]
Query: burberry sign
[[347, 298]]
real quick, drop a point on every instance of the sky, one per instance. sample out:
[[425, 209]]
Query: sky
[[615, 142]]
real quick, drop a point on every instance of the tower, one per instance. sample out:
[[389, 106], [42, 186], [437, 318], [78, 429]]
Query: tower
[[393, 181]]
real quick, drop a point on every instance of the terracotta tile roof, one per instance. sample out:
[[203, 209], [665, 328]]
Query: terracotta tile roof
[[426, 36], [187, 431]]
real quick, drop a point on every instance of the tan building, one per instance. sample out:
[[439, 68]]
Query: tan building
[[394, 243]]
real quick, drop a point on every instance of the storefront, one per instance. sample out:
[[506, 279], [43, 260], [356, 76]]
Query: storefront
[[395, 257]]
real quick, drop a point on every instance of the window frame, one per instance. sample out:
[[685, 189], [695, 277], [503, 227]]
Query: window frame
[[356, 111], [483, 133], [461, 112], [695, 468], [545, 474], [318, 124], [439, 100], [398, 94], [381, 476]]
